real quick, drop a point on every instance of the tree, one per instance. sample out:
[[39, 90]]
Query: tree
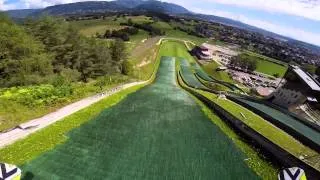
[[107, 34], [245, 62], [130, 22], [252, 65], [318, 71], [118, 54], [310, 68], [23, 60]]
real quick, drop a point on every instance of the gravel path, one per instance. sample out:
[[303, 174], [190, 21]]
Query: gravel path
[[25, 129]]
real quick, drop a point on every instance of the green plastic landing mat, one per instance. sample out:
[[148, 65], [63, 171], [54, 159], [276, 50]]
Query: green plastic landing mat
[[159, 132], [188, 76], [286, 119]]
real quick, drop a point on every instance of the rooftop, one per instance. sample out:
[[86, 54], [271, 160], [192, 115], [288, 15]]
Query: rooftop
[[306, 78]]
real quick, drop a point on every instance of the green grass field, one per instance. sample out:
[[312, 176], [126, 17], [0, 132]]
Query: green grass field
[[89, 28], [176, 49], [184, 36], [211, 67], [162, 25], [268, 65]]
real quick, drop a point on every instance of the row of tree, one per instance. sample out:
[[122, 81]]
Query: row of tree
[[47, 49], [153, 31], [245, 62], [123, 34]]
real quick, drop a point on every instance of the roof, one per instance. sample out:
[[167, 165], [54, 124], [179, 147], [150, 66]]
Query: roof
[[203, 47], [306, 78]]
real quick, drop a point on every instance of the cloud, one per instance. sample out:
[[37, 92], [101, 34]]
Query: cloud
[[293, 32], [304, 8]]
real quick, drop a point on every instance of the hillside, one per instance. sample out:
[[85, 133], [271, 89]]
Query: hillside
[[163, 7]]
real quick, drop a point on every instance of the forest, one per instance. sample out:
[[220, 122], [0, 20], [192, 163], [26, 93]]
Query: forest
[[46, 63], [48, 50]]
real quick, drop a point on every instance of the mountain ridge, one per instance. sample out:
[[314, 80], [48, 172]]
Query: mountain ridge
[[141, 6]]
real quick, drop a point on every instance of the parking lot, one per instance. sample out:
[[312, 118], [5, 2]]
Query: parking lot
[[262, 83]]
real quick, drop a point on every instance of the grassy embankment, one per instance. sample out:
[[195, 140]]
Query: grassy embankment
[[20, 104], [46, 139]]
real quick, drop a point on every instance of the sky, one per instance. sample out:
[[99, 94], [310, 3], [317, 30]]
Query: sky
[[298, 19]]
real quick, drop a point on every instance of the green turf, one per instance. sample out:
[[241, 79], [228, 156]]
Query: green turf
[[158, 132], [176, 49], [211, 69], [162, 25], [185, 36]]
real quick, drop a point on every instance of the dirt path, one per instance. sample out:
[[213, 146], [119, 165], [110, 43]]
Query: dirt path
[[25, 129], [142, 47]]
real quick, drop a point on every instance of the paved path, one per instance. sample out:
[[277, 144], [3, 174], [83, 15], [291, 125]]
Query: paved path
[[36, 124]]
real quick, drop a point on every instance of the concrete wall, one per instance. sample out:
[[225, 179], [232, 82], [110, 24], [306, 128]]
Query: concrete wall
[[288, 98]]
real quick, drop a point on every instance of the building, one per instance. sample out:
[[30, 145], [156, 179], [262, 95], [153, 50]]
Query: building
[[203, 53], [298, 88], [220, 54]]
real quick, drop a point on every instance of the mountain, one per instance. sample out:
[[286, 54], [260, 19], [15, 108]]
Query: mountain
[[83, 8], [101, 7], [162, 7], [141, 6], [21, 13], [129, 3]]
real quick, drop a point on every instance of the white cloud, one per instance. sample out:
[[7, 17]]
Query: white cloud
[[304, 8]]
